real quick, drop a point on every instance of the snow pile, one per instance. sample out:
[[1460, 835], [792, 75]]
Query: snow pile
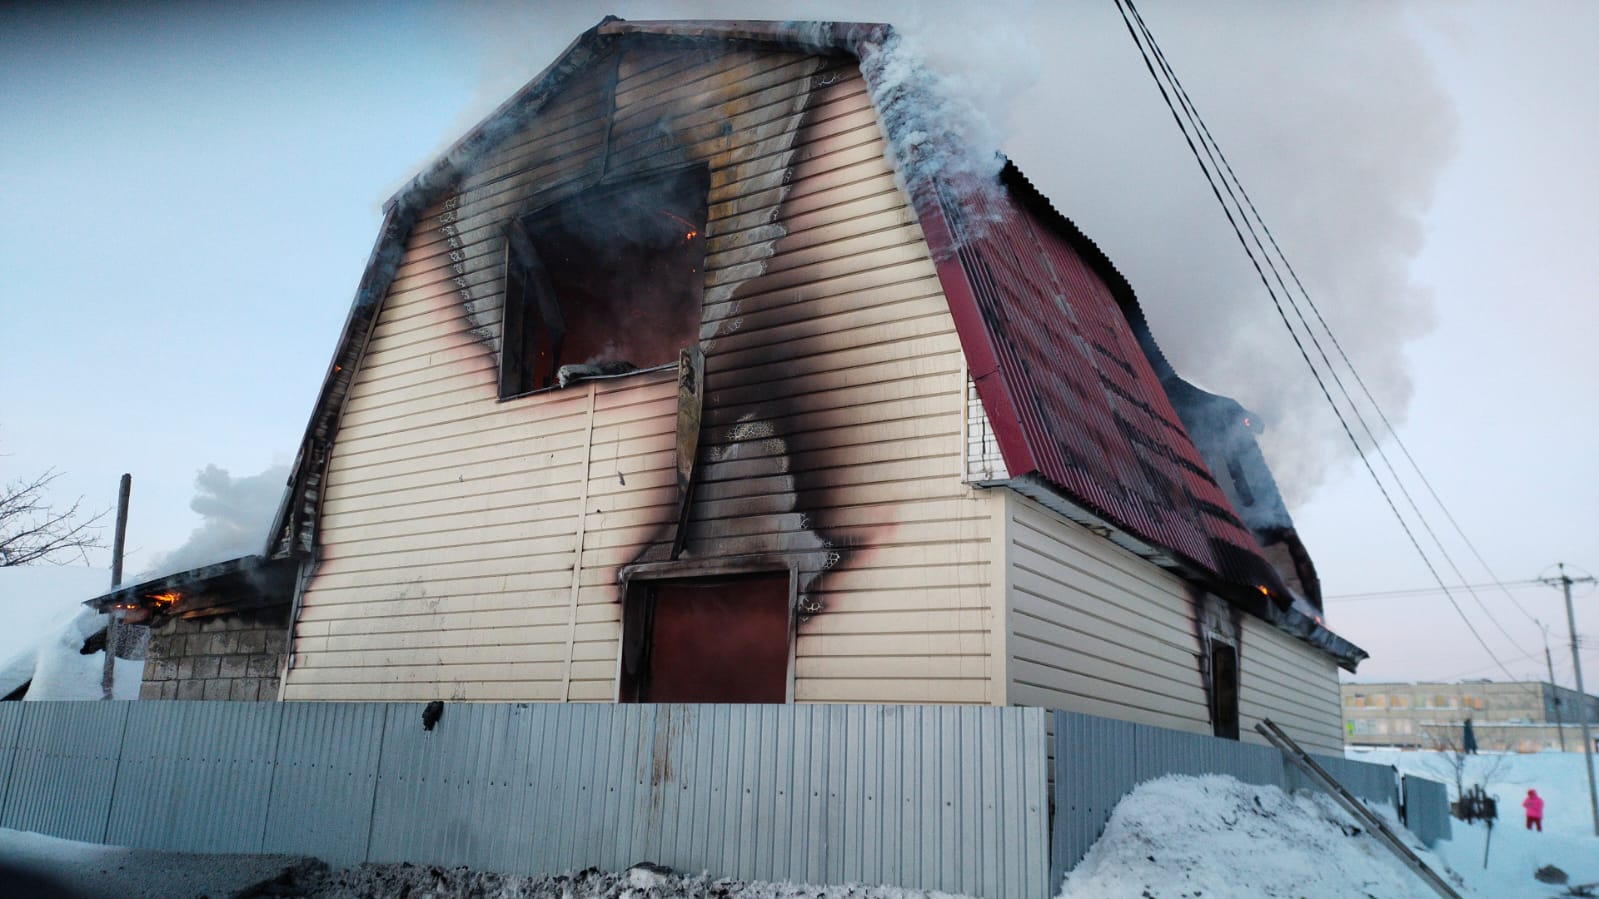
[[1513, 853], [62, 672], [46, 624], [1215, 836]]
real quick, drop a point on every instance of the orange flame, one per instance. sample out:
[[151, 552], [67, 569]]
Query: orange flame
[[165, 599]]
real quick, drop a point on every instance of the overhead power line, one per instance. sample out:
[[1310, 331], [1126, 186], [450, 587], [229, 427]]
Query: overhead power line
[[1423, 591], [1197, 135]]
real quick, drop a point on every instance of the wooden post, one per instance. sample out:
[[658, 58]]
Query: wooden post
[[112, 632]]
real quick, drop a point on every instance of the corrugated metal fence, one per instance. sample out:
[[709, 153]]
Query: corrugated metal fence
[[1426, 809], [1098, 761], [950, 798]]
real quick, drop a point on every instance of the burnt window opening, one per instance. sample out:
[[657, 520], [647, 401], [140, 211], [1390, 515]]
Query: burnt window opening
[[604, 282], [722, 639], [1224, 690]]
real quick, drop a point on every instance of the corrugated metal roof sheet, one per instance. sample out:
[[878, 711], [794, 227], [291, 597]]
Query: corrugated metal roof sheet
[[1090, 416]]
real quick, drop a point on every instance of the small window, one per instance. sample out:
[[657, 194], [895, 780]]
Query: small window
[[604, 282], [1224, 690], [723, 639]]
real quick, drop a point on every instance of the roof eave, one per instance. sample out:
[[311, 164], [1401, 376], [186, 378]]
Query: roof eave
[[265, 577]]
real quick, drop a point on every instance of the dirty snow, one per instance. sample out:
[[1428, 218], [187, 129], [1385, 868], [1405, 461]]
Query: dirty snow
[[35, 865], [1215, 836]]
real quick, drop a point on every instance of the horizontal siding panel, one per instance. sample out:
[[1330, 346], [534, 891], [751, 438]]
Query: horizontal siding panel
[[1090, 632]]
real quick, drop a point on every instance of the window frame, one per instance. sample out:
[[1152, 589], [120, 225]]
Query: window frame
[[522, 266]]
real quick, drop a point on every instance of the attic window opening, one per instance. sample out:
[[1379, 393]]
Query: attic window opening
[[604, 282]]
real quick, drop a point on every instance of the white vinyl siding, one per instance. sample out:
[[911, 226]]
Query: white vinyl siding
[[1095, 629], [1293, 684]]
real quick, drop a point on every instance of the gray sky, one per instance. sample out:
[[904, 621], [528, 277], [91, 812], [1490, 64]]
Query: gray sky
[[193, 192]]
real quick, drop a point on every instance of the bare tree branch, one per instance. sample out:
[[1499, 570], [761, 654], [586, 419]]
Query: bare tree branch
[[32, 531]]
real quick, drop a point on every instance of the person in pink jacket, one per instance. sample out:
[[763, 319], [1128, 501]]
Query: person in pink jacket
[[1534, 806]]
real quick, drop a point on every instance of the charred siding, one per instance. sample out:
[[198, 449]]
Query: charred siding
[[471, 547]]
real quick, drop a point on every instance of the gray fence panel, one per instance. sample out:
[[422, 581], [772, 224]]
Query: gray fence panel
[[65, 768], [202, 769], [324, 779], [909, 795], [459, 776], [948, 798], [1378, 784], [10, 729], [1159, 752], [1427, 809], [1094, 769]]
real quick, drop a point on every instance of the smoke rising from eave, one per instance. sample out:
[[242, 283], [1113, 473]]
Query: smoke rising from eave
[[1335, 122], [235, 514], [1333, 118]]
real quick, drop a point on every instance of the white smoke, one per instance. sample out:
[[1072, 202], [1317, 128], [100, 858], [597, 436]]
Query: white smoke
[[1335, 121], [235, 513], [1332, 115]]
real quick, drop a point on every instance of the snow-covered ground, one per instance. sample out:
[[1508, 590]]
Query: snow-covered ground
[[1513, 853], [38, 866], [1216, 837]]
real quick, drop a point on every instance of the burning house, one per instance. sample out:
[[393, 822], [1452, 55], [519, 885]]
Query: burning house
[[707, 368]]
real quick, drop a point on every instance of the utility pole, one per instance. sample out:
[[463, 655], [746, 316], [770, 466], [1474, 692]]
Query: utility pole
[[1565, 581], [113, 635], [1560, 723]]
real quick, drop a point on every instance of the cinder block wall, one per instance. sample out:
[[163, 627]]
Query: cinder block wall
[[235, 656]]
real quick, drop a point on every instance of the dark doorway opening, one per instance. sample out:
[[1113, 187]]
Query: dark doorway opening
[[1224, 689], [723, 639]]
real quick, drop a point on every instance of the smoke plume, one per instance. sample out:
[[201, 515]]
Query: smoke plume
[[235, 513], [1334, 120], [1332, 116]]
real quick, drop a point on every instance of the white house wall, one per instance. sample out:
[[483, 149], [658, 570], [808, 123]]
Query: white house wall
[[1291, 683], [471, 548], [1094, 629]]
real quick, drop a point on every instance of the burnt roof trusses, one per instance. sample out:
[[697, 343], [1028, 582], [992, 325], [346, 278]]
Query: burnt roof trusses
[[1052, 332]]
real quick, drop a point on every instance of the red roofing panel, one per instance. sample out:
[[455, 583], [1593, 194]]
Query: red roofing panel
[[1076, 397]]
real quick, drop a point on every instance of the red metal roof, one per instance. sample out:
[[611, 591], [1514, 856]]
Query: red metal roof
[[1069, 392]]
